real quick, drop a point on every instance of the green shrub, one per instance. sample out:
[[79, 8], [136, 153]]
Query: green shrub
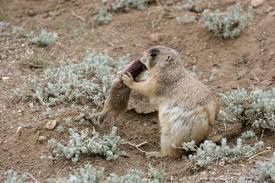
[[248, 135], [60, 129], [209, 152], [85, 82], [86, 174], [103, 17], [82, 143], [12, 176], [266, 170], [228, 24], [256, 108], [125, 5], [90, 174], [3, 25], [17, 30], [45, 38]]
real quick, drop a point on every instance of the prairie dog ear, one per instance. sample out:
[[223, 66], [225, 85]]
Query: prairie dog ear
[[166, 61], [169, 58]]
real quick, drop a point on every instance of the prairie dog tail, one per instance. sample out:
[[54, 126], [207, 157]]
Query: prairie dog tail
[[235, 130]]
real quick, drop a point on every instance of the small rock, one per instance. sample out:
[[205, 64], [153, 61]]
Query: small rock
[[268, 148], [257, 3], [46, 15], [5, 78], [31, 105], [51, 124], [41, 139], [269, 9], [251, 162], [272, 13], [19, 130], [155, 37], [31, 13]]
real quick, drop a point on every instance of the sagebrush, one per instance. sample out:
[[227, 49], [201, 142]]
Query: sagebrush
[[125, 5], [91, 174], [209, 152], [102, 17], [227, 24], [82, 143], [256, 107], [12, 176], [266, 170], [45, 38], [105, 13], [85, 82]]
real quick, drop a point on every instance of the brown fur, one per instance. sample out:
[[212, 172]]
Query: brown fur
[[187, 107], [117, 100]]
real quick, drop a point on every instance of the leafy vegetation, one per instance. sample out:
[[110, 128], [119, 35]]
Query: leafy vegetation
[[209, 152], [84, 82], [125, 5], [103, 17], [228, 24], [45, 38], [105, 13], [83, 143], [248, 135], [256, 107], [266, 170], [14, 177], [91, 174]]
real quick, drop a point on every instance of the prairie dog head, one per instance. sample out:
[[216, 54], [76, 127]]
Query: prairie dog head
[[161, 57]]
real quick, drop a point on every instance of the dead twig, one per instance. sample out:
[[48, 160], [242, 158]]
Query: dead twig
[[255, 76], [78, 16], [137, 145], [259, 154], [224, 126]]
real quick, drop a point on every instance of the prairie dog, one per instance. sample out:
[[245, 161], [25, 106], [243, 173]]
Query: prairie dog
[[117, 100], [187, 108]]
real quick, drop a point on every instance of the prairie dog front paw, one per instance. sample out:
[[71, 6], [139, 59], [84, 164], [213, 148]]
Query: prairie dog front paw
[[127, 79]]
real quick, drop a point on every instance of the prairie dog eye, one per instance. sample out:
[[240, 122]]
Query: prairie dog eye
[[154, 52]]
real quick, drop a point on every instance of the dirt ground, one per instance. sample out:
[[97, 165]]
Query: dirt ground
[[248, 62]]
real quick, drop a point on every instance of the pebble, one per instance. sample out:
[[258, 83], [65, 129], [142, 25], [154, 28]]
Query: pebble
[[41, 139], [272, 13], [257, 3], [51, 124], [156, 37], [31, 13], [31, 105], [5, 78], [19, 130], [269, 9]]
